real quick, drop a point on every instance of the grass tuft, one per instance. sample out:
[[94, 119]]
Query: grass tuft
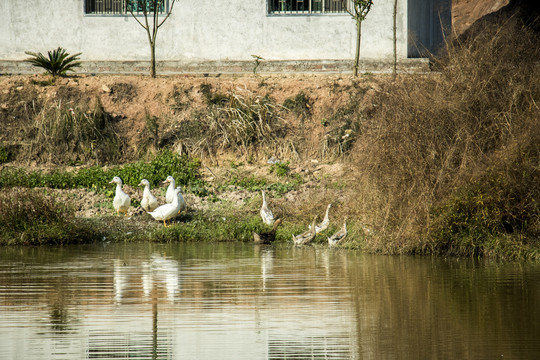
[[28, 217]]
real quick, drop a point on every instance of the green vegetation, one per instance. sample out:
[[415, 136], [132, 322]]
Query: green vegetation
[[57, 63], [257, 60], [4, 155], [184, 170], [280, 169], [498, 209]]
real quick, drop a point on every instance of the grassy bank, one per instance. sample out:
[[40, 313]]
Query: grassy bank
[[28, 217], [444, 163]]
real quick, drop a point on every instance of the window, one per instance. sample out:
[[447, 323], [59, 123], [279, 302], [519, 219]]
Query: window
[[307, 6], [121, 7]]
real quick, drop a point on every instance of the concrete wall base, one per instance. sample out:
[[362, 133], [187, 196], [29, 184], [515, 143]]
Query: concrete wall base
[[227, 67]]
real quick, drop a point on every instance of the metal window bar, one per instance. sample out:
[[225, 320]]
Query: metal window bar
[[307, 6], [118, 7]]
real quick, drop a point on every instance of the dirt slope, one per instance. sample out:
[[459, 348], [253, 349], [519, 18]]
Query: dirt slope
[[466, 12]]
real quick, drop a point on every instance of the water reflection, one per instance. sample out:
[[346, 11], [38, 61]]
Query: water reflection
[[162, 270], [208, 301], [267, 261]]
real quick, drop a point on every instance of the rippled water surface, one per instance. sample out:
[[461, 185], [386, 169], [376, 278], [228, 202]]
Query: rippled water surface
[[237, 301]]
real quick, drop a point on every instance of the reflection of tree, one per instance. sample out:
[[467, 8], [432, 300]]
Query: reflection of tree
[[59, 318], [154, 325]]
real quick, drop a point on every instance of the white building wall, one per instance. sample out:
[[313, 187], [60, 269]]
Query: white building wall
[[202, 30]]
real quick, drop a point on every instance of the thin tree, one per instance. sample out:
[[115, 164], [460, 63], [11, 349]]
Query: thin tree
[[359, 13], [394, 71], [150, 9]]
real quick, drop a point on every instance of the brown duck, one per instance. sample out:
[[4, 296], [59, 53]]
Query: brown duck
[[266, 237], [306, 236], [339, 235]]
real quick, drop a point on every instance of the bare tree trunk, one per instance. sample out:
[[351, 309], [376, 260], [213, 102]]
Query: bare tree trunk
[[357, 54], [155, 5], [153, 59], [395, 38], [152, 43]]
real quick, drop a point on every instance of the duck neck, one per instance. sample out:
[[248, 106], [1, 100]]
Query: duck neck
[[172, 186], [118, 188]]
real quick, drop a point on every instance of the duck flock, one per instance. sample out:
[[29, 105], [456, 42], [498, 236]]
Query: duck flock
[[174, 199], [175, 204]]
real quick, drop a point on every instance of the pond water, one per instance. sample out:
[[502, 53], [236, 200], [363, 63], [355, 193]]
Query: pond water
[[239, 301]]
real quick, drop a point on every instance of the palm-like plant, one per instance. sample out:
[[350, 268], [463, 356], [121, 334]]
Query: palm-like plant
[[58, 62]]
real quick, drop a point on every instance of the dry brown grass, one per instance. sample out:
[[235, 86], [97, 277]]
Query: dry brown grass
[[248, 125], [83, 134], [431, 135]]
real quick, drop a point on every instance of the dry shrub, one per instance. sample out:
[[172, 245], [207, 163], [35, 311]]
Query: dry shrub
[[67, 129], [83, 133], [235, 123], [429, 136], [23, 207], [29, 217]]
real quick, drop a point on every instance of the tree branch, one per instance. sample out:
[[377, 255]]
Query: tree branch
[[168, 14]]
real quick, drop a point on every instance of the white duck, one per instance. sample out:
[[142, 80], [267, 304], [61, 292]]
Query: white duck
[[148, 202], [266, 213], [121, 201], [181, 201], [171, 194], [323, 225], [339, 235], [167, 211]]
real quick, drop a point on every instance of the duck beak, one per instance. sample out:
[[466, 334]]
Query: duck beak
[[111, 182]]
